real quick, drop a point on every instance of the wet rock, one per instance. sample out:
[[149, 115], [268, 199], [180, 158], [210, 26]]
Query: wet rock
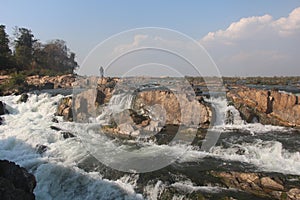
[[259, 184], [67, 135], [268, 107], [229, 117], [23, 98], [65, 109], [41, 148], [55, 128], [269, 183], [125, 129], [15, 182], [54, 120], [2, 108], [47, 86]]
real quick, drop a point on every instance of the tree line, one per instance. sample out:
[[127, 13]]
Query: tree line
[[28, 55]]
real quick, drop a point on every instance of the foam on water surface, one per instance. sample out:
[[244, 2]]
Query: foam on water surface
[[59, 177]]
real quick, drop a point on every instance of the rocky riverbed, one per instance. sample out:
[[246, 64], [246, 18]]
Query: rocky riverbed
[[251, 159]]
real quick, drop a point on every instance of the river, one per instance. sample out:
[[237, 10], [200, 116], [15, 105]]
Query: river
[[68, 169]]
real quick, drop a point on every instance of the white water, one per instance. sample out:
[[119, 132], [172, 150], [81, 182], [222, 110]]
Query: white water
[[221, 109], [56, 170], [117, 103]]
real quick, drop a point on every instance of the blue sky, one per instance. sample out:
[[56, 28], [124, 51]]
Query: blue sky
[[83, 24]]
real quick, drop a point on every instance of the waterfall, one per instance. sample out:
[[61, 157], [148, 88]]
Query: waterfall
[[225, 114], [117, 103]]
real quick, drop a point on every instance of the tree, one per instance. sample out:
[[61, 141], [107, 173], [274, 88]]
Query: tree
[[56, 56], [5, 52], [24, 48]]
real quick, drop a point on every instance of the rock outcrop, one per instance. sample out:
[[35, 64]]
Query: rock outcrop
[[51, 82], [267, 107], [15, 182], [178, 109], [88, 97], [65, 108], [274, 187]]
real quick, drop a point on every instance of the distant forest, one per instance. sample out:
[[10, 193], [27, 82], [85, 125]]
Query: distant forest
[[27, 55]]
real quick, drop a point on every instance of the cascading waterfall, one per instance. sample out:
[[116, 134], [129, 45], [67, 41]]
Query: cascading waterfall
[[225, 114], [117, 103]]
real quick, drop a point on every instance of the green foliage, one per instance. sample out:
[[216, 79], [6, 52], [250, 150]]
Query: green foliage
[[18, 79], [5, 52], [17, 83], [32, 57]]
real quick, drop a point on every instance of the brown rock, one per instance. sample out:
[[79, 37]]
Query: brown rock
[[268, 183], [270, 107], [294, 194], [179, 108], [65, 109]]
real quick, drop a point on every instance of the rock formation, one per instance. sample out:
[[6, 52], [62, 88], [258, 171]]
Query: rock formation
[[65, 108], [51, 82], [15, 182], [179, 109], [274, 187], [267, 107]]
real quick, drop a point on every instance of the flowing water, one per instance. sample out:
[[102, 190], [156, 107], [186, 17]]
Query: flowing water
[[67, 170]]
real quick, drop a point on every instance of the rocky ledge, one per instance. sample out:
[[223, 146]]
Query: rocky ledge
[[15, 182], [266, 106], [19, 83], [150, 111], [51, 82], [274, 186]]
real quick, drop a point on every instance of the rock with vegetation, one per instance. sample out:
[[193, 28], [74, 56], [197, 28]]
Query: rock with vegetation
[[15, 182]]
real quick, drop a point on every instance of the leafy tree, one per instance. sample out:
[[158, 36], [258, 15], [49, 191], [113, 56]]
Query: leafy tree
[[5, 52], [56, 56], [24, 48], [33, 57]]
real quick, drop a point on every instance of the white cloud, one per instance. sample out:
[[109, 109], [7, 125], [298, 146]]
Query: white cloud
[[272, 44], [138, 39]]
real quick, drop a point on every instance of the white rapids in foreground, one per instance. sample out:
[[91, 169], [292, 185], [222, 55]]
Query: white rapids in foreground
[[56, 171]]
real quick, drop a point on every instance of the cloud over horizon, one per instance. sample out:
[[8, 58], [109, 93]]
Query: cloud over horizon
[[257, 45]]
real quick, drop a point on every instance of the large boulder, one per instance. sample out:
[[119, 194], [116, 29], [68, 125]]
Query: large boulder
[[15, 182], [268, 107], [178, 109]]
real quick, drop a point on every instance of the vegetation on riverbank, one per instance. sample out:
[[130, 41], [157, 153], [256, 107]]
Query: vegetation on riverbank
[[27, 55]]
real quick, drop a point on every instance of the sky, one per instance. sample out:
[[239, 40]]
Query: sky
[[243, 38]]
